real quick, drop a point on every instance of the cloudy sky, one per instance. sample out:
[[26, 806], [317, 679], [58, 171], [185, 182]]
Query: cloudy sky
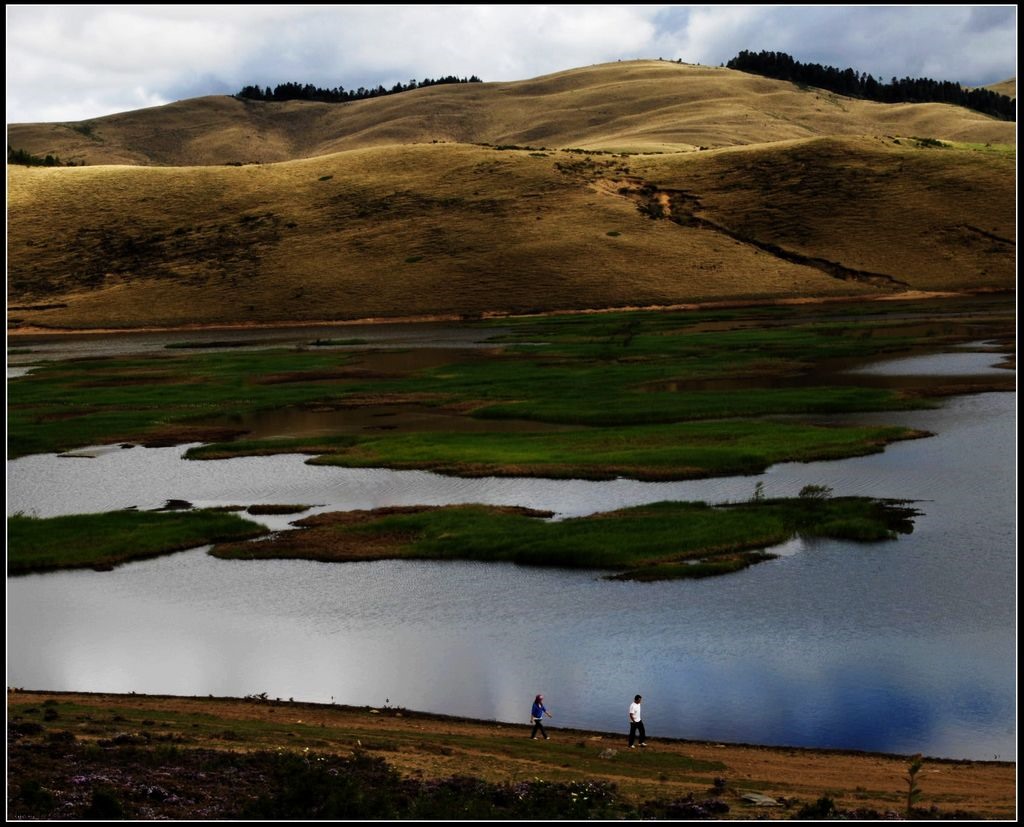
[[69, 63]]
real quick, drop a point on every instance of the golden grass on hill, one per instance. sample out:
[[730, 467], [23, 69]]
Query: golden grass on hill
[[807, 195], [644, 106], [929, 218], [460, 229], [1006, 87]]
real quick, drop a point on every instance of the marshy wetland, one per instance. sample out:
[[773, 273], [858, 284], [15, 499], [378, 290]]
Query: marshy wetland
[[835, 642]]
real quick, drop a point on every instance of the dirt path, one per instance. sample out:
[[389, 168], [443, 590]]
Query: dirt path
[[423, 745]]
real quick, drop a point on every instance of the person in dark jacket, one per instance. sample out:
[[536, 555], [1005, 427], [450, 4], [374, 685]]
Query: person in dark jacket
[[537, 714]]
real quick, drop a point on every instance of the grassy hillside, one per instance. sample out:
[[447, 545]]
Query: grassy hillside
[[1006, 87], [635, 106], [901, 212], [698, 184], [412, 230]]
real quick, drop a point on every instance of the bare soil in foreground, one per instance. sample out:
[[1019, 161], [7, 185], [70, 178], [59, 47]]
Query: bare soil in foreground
[[60, 746]]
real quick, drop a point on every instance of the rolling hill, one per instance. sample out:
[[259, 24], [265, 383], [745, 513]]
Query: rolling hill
[[637, 106], [1006, 87], [641, 183]]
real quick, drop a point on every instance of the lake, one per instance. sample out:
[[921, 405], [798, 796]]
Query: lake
[[905, 646]]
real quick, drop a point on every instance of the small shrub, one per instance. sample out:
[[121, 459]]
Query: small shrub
[[17, 729], [815, 492], [823, 808], [105, 806], [271, 508], [36, 798], [913, 791]]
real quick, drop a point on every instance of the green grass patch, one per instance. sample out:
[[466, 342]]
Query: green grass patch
[[649, 542], [270, 447], [676, 451], [610, 370], [1008, 150], [65, 405], [105, 540]]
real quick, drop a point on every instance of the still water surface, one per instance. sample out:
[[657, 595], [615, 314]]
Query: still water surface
[[900, 647]]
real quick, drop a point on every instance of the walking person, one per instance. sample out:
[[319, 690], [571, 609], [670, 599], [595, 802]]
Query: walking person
[[537, 714], [636, 725]]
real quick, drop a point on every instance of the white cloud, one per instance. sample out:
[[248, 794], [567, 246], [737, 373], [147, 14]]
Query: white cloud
[[74, 62]]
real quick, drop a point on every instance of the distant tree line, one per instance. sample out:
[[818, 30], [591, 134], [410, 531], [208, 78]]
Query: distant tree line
[[309, 92], [21, 156], [856, 84]]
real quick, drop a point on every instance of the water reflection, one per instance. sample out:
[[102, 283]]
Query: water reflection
[[905, 646], [981, 363], [44, 347]]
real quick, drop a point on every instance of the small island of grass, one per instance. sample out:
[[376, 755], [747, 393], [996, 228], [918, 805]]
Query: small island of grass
[[685, 450], [665, 540], [102, 541]]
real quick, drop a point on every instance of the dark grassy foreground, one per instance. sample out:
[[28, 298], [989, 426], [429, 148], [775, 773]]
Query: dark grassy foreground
[[653, 542], [167, 781], [81, 756], [102, 541]]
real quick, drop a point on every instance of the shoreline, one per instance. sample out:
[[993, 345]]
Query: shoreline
[[424, 746], [143, 699], [907, 295]]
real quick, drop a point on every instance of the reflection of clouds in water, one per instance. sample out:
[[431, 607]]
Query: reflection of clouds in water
[[823, 702], [939, 364], [857, 697], [48, 485], [901, 646], [474, 639]]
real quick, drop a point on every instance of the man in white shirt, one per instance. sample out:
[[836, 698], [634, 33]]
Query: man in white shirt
[[635, 724]]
